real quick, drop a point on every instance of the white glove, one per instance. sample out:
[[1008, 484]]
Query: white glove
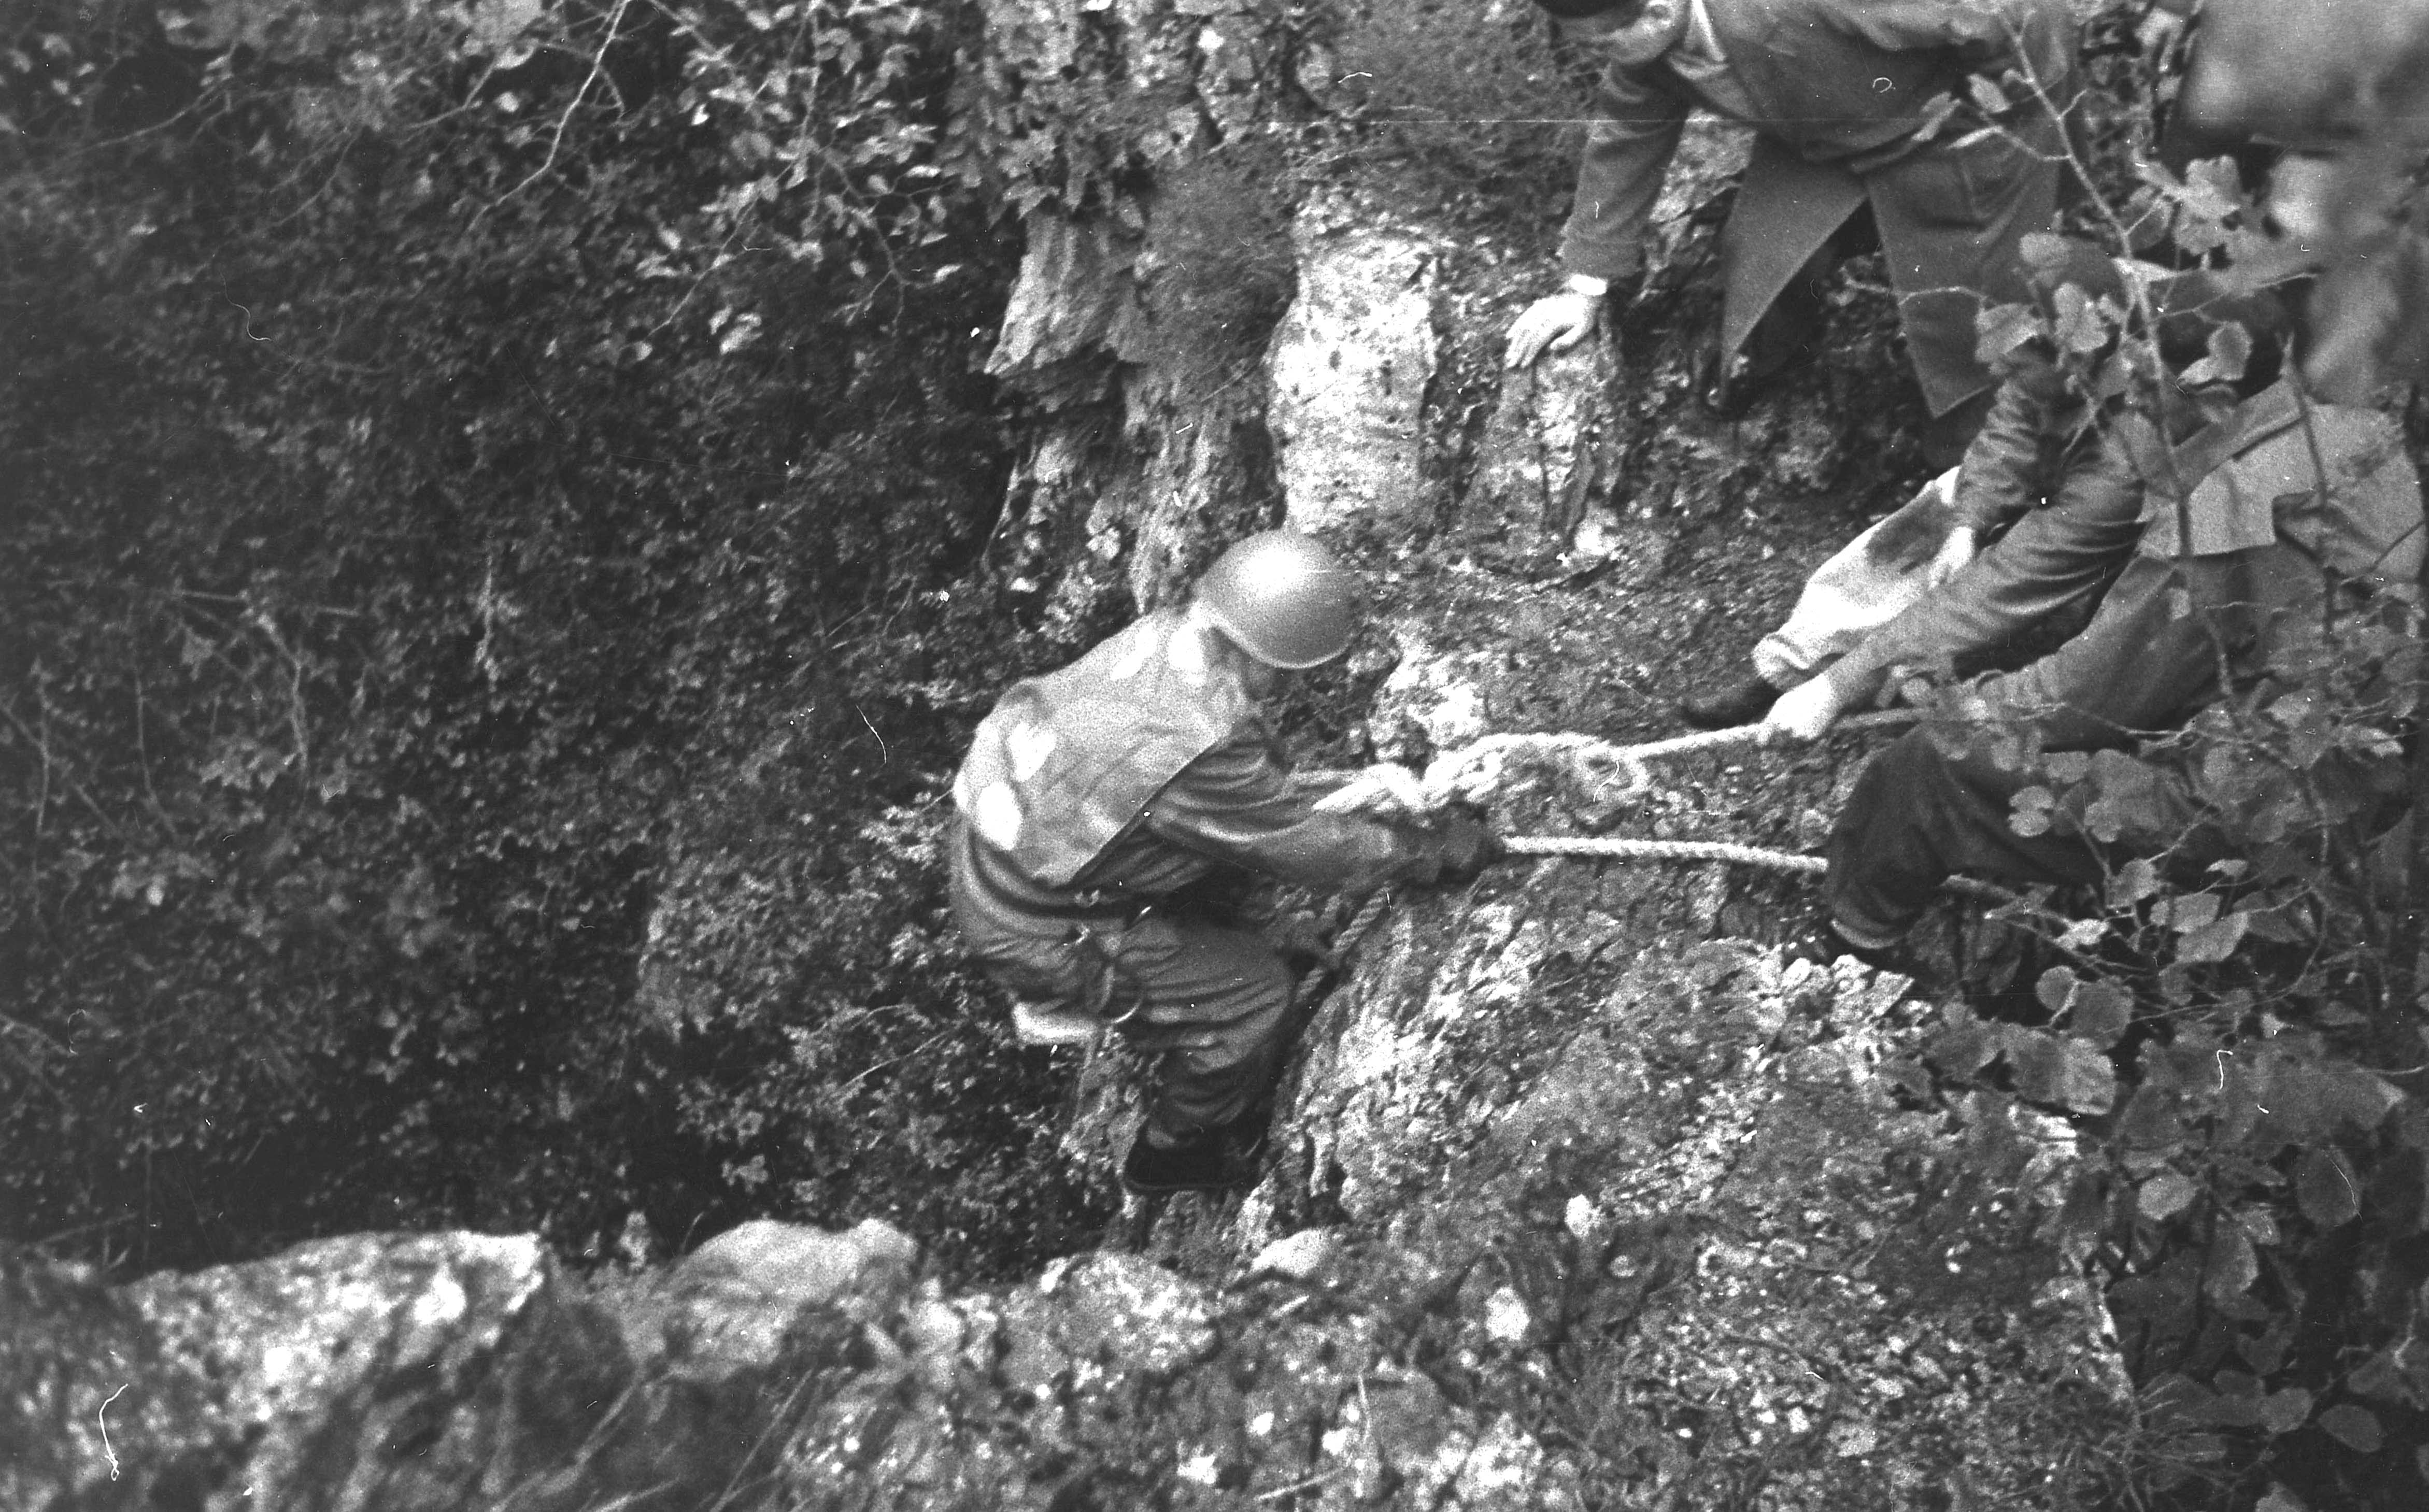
[[1802, 714], [1555, 321]]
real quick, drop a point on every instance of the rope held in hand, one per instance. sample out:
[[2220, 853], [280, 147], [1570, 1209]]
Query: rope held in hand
[[1752, 734], [1474, 771], [1568, 847]]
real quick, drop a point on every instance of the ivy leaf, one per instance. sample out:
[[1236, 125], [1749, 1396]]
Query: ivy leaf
[[2070, 1073], [2029, 813], [2213, 191], [2355, 1095], [2150, 1121], [2187, 912], [2215, 941], [2048, 254], [1988, 97], [2083, 934], [2082, 325], [2164, 1197], [2102, 1010], [2000, 329], [2135, 881], [2378, 1378], [1964, 1047], [2232, 1265], [2324, 1187], [2234, 1409], [2280, 1499], [2056, 986], [2357, 1428], [2286, 1410], [2258, 1225], [2230, 348]]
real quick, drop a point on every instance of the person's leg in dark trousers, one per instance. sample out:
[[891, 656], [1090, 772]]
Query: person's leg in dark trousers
[[1212, 1005], [1916, 816]]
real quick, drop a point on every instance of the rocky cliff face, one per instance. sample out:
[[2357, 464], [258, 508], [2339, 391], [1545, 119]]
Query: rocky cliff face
[[1583, 1193]]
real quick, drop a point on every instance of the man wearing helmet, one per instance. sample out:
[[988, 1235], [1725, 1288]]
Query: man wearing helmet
[[1094, 799], [1855, 103]]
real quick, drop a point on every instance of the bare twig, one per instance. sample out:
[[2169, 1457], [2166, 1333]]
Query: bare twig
[[43, 743], [556, 138]]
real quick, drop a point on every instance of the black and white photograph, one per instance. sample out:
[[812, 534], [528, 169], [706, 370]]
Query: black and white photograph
[[1213, 756]]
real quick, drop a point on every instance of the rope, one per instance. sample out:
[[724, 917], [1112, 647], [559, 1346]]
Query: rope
[[1571, 846], [1566, 846], [1041, 1025], [1479, 771], [1752, 734], [1369, 913]]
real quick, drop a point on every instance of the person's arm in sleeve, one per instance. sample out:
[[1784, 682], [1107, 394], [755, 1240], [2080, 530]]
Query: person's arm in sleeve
[[1237, 804], [1619, 177], [2016, 458], [2055, 557], [2142, 665], [1628, 146]]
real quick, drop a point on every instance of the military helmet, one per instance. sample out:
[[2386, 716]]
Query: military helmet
[[1282, 598]]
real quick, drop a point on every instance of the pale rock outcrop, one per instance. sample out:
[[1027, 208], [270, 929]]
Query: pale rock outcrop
[[1073, 302], [1435, 698], [1539, 499], [1348, 369], [778, 1366]]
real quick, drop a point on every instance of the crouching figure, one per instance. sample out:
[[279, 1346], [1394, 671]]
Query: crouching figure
[[1098, 800]]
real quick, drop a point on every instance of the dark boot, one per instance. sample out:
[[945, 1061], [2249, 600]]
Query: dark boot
[[1740, 703], [1216, 1159]]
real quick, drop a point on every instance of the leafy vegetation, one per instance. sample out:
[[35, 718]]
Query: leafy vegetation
[[2237, 1023], [499, 566], [442, 435], [1473, 101]]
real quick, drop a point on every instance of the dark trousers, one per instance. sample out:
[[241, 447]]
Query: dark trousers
[[1918, 814], [1208, 1003]]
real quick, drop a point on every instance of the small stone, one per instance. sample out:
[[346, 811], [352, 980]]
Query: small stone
[[1307, 1255], [1506, 1317]]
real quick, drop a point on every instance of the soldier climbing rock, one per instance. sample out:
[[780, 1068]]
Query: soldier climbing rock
[[1852, 103], [1097, 799]]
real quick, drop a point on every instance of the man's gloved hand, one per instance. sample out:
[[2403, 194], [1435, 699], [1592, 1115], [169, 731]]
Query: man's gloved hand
[[1466, 847], [1555, 321]]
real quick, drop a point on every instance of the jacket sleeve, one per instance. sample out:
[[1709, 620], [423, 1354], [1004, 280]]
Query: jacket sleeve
[[1235, 804], [2015, 459], [2054, 558], [2142, 665], [1635, 130]]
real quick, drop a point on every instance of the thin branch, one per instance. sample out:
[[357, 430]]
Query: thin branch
[[556, 139], [44, 746]]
